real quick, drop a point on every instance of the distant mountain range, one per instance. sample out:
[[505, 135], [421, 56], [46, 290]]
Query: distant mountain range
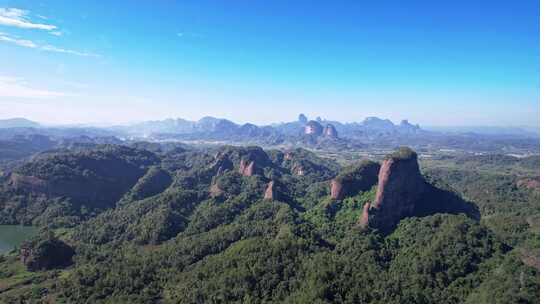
[[224, 127], [220, 126], [318, 133]]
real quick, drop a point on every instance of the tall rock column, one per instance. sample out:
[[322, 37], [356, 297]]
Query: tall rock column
[[400, 187]]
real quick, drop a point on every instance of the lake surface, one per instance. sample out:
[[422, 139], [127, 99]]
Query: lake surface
[[12, 236]]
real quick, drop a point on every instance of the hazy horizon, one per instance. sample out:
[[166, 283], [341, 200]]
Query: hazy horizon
[[443, 128], [453, 64]]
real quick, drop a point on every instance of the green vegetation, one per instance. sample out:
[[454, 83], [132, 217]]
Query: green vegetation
[[164, 237], [402, 153]]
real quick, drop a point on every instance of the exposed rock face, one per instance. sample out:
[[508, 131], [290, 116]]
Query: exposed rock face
[[313, 128], [400, 186], [298, 170], [215, 190], [336, 189], [247, 161], [288, 155], [98, 177], [364, 218], [46, 254], [270, 193], [355, 179], [221, 164], [330, 131], [247, 168]]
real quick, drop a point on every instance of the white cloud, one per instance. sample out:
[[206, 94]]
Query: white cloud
[[51, 48], [47, 48], [19, 18], [19, 42], [14, 87]]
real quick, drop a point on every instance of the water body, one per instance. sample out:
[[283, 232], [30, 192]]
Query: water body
[[12, 236]]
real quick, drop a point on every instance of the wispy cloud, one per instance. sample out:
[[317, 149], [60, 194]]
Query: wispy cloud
[[14, 87], [19, 18], [19, 42], [51, 48], [47, 48]]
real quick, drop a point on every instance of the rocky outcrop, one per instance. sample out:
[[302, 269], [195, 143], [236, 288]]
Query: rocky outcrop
[[313, 128], [247, 161], [355, 179], [247, 168], [215, 190], [46, 254], [330, 131], [271, 192], [336, 189], [400, 186], [98, 178], [288, 155], [364, 217], [221, 164], [298, 170]]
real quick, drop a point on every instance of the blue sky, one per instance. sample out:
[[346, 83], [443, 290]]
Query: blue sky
[[457, 63]]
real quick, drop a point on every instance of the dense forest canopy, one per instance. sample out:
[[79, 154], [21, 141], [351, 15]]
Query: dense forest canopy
[[151, 224]]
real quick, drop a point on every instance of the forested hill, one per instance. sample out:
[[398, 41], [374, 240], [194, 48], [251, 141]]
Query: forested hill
[[245, 225]]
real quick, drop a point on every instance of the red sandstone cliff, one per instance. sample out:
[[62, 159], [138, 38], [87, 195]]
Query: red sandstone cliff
[[400, 186], [247, 168], [270, 192], [330, 131]]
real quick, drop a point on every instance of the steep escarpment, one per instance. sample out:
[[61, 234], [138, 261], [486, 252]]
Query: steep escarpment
[[68, 181], [248, 161], [100, 175], [275, 191], [271, 237], [400, 186], [313, 128], [270, 193], [402, 191], [354, 179], [232, 163], [330, 131]]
